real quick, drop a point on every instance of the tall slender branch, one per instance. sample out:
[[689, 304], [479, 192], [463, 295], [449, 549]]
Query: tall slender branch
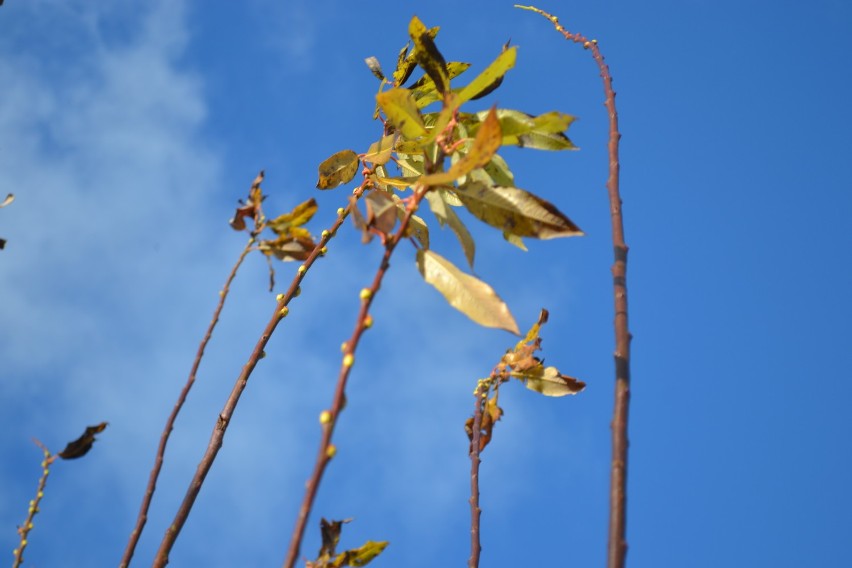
[[328, 419], [617, 546], [224, 418], [24, 530], [142, 518]]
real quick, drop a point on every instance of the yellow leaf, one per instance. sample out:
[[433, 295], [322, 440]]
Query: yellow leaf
[[471, 296], [338, 169], [427, 55], [401, 110], [438, 203], [494, 72], [550, 382], [516, 211], [380, 152]]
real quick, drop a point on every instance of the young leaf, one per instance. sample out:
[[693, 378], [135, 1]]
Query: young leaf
[[489, 79], [485, 144], [516, 211], [81, 446], [375, 68], [550, 382], [471, 296], [401, 110], [338, 169], [404, 66], [445, 215], [427, 55]]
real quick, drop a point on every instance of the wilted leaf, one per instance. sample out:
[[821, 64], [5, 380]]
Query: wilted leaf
[[81, 446], [381, 211], [485, 144], [491, 413], [380, 152], [471, 296], [9, 199], [375, 68], [445, 215], [427, 55], [401, 110], [251, 208], [550, 382], [515, 211], [338, 169], [288, 247], [490, 78]]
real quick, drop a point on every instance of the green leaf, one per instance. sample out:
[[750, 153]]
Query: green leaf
[[471, 296], [515, 211], [401, 110], [404, 66], [491, 75], [359, 556], [338, 169], [485, 145], [427, 55], [444, 213], [543, 132], [549, 381], [424, 90], [380, 151]]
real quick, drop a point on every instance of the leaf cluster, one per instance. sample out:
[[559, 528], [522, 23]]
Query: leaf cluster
[[451, 157], [328, 556]]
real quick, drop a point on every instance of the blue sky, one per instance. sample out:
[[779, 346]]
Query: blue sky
[[128, 131]]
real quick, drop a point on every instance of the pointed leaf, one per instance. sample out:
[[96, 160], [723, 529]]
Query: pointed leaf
[[424, 90], [338, 169], [9, 199], [493, 73], [401, 110], [359, 556], [516, 211], [550, 382], [427, 55], [485, 144], [471, 296]]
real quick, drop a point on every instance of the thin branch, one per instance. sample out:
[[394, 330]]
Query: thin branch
[[224, 418], [170, 422], [617, 547], [24, 530], [481, 394], [329, 418]]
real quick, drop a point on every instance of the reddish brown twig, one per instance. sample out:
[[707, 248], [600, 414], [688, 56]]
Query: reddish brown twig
[[481, 394], [617, 547], [142, 518], [328, 419], [224, 418], [24, 530]]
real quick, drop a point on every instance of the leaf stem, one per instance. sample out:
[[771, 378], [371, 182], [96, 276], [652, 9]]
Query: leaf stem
[[617, 544], [224, 418], [329, 421]]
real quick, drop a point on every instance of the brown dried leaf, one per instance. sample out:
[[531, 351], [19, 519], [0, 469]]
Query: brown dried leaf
[[338, 169], [81, 446]]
